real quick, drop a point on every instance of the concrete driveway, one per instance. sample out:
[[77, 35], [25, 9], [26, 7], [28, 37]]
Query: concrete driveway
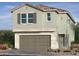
[[23, 53], [15, 52]]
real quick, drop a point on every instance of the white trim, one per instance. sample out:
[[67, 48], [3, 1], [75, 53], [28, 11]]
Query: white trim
[[54, 42], [17, 41], [25, 18]]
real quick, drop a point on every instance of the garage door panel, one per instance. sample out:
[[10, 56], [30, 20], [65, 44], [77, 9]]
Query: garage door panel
[[35, 42]]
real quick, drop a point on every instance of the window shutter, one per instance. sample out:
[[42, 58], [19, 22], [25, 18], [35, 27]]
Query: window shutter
[[34, 17], [18, 18]]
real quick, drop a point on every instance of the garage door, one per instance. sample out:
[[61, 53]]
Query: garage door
[[35, 43]]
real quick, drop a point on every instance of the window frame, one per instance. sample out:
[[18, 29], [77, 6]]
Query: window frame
[[30, 18], [27, 18], [23, 18]]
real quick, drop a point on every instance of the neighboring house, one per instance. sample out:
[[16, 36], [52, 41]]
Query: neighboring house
[[39, 28]]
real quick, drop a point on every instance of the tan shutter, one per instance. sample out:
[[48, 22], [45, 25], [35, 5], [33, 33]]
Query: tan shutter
[[18, 18], [34, 17]]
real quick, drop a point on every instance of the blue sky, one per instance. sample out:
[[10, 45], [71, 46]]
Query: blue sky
[[6, 17]]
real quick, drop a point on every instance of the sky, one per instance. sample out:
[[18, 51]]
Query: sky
[[6, 16]]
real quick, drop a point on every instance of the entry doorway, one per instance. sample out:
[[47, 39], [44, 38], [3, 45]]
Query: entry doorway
[[63, 41]]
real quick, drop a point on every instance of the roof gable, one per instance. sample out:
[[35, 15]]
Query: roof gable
[[17, 7], [41, 8]]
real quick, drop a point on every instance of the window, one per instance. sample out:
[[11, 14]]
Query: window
[[23, 18], [30, 18], [48, 16], [23, 15], [26, 18]]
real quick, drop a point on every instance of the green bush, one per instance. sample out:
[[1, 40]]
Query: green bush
[[77, 33], [6, 37]]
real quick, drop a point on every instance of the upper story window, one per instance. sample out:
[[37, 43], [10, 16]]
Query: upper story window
[[23, 18], [26, 18], [48, 16], [30, 18]]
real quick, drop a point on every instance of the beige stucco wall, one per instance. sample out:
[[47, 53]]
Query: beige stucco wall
[[64, 26], [42, 22], [59, 23]]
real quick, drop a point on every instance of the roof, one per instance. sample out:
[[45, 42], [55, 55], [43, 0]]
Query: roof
[[45, 8]]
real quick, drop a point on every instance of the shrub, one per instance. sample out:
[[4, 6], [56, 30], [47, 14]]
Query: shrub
[[77, 33], [6, 37], [3, 46]]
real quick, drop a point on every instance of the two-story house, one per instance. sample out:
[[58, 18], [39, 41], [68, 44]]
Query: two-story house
[[40, 27]]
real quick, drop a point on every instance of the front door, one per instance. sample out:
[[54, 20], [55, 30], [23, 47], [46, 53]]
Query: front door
[[63, 41]]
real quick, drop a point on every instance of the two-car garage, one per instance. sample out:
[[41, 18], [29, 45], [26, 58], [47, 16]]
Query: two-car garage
[[35, 43]]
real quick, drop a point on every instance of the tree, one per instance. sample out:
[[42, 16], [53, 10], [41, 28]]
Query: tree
[[77, 33], [6, 36]]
